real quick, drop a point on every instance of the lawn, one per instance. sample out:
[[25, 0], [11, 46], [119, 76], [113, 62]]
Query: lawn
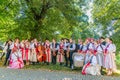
[[57, 67]]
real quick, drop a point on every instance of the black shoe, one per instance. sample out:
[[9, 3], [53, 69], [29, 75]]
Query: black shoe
[[33, 63], [60, 64]]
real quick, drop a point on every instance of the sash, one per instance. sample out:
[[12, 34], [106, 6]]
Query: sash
[[26, 51], [22, 50], [20, 62], [86, 66], [105, 52], [83, 71], [48, 53], [61, 48], [106, 49], [60, 58], [81, 48], [15, 48], [95, 51], [61, 52], [10, 61], [87, 47]]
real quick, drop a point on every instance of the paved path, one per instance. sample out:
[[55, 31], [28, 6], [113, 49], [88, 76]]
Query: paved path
[[12, 74]]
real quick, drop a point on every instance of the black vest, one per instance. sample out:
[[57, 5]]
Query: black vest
[[71, 45], [80, 46], [55, 45]]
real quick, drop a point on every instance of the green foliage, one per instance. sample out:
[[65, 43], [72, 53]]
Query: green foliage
[[38, 18], [118, 59], [58, 19], [104, 12]]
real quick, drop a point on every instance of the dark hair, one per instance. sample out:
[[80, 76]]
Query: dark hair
[[111, 39], [102, 38], [10, 40], [6, 43], [62, 39], [46, 39], [16, 38]]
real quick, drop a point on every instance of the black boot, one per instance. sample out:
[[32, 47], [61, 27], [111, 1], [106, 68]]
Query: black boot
[[61, 63], [47, 63]]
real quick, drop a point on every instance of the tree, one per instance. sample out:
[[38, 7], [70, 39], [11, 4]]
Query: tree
[[106, 15], [105, 11], [34, 18]]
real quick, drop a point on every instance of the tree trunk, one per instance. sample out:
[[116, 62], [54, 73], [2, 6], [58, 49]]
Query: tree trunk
[[35, 32], [38, 17]]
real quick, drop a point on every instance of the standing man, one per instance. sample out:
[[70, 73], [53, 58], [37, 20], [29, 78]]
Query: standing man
[[54, 50], [9, 48], [66, 44], [71, 49]]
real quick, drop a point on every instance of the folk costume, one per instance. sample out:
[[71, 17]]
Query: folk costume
[[48, 52], [33, 54], [66, 53], [27, 52], [113, 57], [99, 54], [61, 53], [54, 51], [80, 48], [8, 52], [108, 60], [72, 47], [16, 61], [91, 66], [22, 48]]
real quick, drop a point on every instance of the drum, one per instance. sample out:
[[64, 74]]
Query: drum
[[78, 59]]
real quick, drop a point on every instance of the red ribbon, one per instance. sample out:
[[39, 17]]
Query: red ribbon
[[20, 62], [48, 54], [26, 51], [22, 50], [83, 71]]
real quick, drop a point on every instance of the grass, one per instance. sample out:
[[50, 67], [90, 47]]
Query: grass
[[57, 67], [51, 67]]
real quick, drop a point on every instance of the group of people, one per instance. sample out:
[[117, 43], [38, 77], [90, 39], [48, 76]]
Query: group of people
[[96, 53]]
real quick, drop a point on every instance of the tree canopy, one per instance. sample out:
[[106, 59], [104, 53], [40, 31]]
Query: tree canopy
[[59, 18], [38, 18]]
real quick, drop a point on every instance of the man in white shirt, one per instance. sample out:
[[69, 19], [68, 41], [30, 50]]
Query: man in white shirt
[[71, 48], [9, 48], [54, 50], [66, 44]]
